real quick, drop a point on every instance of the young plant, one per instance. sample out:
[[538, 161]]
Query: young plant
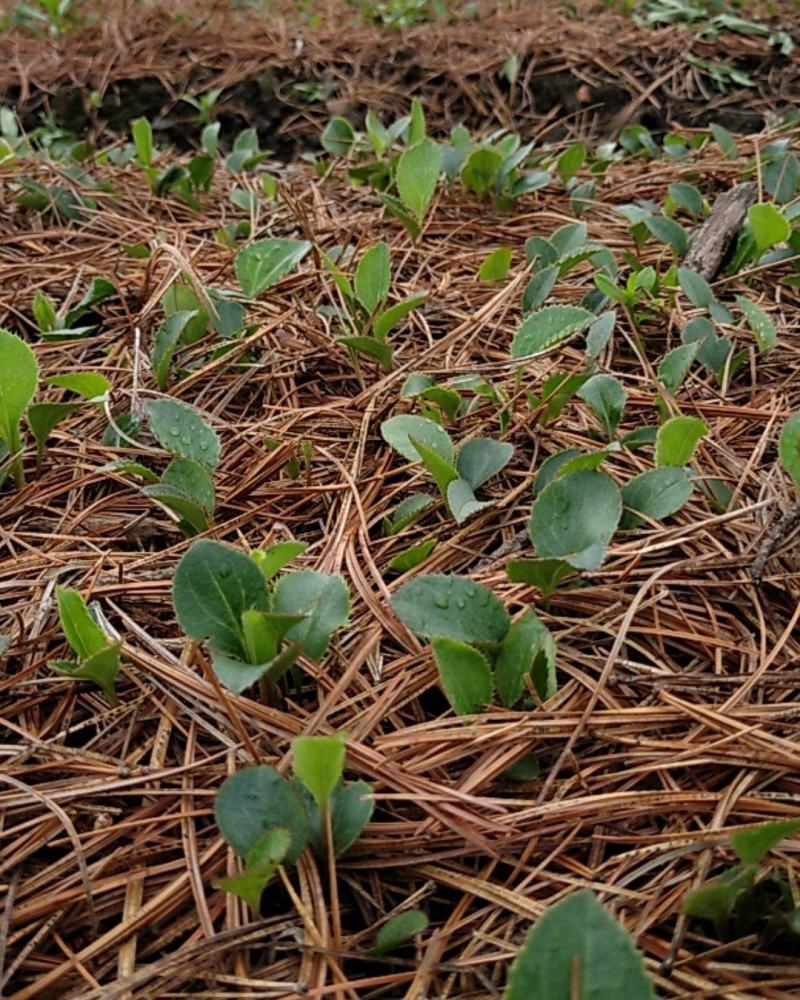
[[265, 262], [19, 376], [97, 656], [61, 325], [475, 645], [187, 182], [438, 402], [577, 949], [256, 629], [269, 820], [457, 475], [365, 308], [750, 896]]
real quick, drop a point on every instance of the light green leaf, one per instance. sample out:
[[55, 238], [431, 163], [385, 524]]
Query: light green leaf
[[768, 226], [677, 440], [194, 519], [528, 650], [571, 161], [716, 900], [318, 763], [101, 667], [398, 930], [398, 431], [191, 479], [755, 843], [180, 298], [84, 635], [213, 585], [168, 336], [480, 170], [134, 468], [90, 385], [696, 288], [411, 557], [465, 675], [495, 266], [452, 607], [789, 448], [323, 600], [575, 517], [383, 353], [372, 277], [255, 800], [262, 863], [272, 560], [538, 288], [142, 134], [599, 333], [386, 321], [762, 327], [407, 512], [444, 474], [462, 501], [547, 327], [675, 365], [265, 262], [182, 431], [417, 175], [19, 375], [577, 949], [656, 494], [338, 137]]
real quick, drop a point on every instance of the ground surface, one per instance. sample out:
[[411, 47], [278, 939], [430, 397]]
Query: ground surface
[[676, 715]]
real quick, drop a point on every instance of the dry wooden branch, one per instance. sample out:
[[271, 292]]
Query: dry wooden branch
[[718, 231]]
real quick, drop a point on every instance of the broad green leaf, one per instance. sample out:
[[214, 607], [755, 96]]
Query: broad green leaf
[[398, 931], [181, 430], [90, 385], [480, 170], [134, 468], [481, 458], [411, 557], [398, 431], [213, 585], [606, 397], [462, 501], [577, 949], [265, 262], [725, 141], [571, 161], [192, 479], [44, 312], [465, 675], [551, 466], [670, 232], [712, 351], [142, 134], [387, 320], [528, 650], [575, 517], [44, 417], [398, 210], [417, 175], [255, 800], [547, 327], [495, 266], [762, 327], [318, 763], [262, 863], [19, 375], [84, 635], [383, 353], [407, 512], [372, 277], [656, 494], [323, 599], [168, 336], [755, 843], [377, 134], [599, 333], [238, 675], [193, 517], [789, 447], [101, 667], [272, 560], [585, 463], [444, 474], [675, 365], [442, 605], [546, 574], [338, 136], [687, 196], [768, 226], [640, 437], [677, 440], [696, 288]]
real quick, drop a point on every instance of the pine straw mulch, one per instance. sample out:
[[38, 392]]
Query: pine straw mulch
[[676, 718], [581, 68]]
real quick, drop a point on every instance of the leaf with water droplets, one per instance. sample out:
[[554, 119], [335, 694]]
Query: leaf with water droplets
[[452, 607], [575, 517], [182, 431]]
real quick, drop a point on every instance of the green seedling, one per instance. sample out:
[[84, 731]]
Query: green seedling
[[750, 897], [187, 182], [265, 262], [269, 820], [399, 930], [204, 104], [457, 475], [63, 324], [365, 305], [577, 949], [255, 629], [97, 656], [475, 645], [447, 401]]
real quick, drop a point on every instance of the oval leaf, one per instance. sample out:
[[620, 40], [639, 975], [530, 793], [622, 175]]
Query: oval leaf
[[575, 517], [547, 327], [257, 799], [182, 431], [451, 606], [465, 675]]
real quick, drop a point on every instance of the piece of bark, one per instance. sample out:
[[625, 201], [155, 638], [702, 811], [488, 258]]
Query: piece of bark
[[718, 231]]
